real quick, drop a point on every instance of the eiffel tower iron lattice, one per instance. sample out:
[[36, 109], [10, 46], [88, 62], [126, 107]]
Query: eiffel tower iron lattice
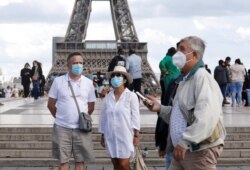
[[98, 54]]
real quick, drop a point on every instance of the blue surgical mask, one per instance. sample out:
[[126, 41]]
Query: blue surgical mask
[[77, 69], [117, 81]]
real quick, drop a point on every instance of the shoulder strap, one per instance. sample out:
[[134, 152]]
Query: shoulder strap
[[174, 85], [72, 91]]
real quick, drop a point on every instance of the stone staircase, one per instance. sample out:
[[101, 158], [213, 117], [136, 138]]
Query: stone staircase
[[32, 147]]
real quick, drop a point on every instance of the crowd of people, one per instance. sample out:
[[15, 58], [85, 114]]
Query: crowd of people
[[32, 80], [33, 75], [187, 134], [10, 92], [234, 82]]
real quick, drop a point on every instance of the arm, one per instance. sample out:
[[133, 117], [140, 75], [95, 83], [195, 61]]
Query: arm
[[53, 96], [102, 121], [32, 71], [103, 117], [21, 73], [136, 139], [127, 64], [162, 65], [135, 113], [52, 106], [91, 99], [112, 64], [40, 72], [91, 107]]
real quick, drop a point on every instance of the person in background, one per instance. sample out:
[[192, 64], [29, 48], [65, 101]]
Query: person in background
[[105, 88], [99, 82], [88, 74], [220, 75], [36, 75], [118, 60], [229, 74], [247, 88], [67, 139], [208, 70], [25, 79], [169, 72], [15, 92], [134, 67], [42, 85], [8, 92], [238, 77], [95, 86], [196, 135], [2, 92], [120, 119]]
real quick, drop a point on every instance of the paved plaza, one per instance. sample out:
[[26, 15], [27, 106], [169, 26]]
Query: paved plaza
[[18, 112], [93, 167]]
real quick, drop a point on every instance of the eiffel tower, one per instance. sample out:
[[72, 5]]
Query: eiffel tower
[[98, 54]]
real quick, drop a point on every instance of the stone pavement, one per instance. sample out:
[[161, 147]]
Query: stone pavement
[[17, 112], [94, 167]]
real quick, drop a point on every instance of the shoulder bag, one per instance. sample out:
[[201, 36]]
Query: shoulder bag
[[85, 121]]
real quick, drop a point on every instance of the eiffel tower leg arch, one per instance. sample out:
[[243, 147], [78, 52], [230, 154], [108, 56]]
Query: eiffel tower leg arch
[[97, 54]]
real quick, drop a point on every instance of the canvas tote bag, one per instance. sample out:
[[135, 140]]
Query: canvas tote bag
[[138, 162]]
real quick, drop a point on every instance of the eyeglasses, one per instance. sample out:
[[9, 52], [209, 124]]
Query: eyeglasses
[[116, 74]]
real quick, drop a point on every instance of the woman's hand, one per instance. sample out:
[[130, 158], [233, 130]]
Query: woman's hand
[[161, 153], [102, 141], [136, 141]]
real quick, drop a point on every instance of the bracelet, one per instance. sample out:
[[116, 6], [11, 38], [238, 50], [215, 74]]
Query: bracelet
[[136, 136]]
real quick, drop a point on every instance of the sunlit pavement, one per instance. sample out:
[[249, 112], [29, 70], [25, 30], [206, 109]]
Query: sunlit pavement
[[18, 112]]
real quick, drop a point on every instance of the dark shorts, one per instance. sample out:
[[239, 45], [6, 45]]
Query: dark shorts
[[136, 85], [66, 142]]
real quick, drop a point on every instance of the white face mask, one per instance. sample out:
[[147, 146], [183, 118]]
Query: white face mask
[[179, 59]]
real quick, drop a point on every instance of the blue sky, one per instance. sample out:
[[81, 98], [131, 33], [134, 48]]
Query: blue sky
[[27, 28]]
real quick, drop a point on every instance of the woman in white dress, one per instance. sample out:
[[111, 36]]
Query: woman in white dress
[[120, 119]]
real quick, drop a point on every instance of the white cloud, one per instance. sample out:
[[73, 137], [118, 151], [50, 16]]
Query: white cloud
[[24, 40], [27, 28], [7, 2], [198, 25], [243, 32]]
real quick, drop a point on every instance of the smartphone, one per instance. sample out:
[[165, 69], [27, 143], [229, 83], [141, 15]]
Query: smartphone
[[141, 96], [144, 98]]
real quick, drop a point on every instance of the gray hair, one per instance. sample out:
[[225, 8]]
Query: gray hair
[[196, 44]]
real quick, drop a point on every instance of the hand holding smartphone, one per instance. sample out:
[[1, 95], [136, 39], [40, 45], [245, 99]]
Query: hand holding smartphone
[[144, 98]]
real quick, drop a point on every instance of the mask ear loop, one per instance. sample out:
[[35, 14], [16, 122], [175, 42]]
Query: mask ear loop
[[124, 80], [189, 59]]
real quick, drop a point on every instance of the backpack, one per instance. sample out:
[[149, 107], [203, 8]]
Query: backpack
[[117, 61]]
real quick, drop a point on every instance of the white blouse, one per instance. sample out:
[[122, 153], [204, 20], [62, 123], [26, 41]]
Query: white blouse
[[118, 119]]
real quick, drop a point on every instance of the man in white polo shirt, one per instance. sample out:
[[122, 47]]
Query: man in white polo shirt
[[67, 139]]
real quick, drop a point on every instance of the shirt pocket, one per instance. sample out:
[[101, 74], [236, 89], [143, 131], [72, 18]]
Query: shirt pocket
[[66, 93]]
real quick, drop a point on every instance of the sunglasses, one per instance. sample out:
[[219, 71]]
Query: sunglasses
[[116, 74]]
